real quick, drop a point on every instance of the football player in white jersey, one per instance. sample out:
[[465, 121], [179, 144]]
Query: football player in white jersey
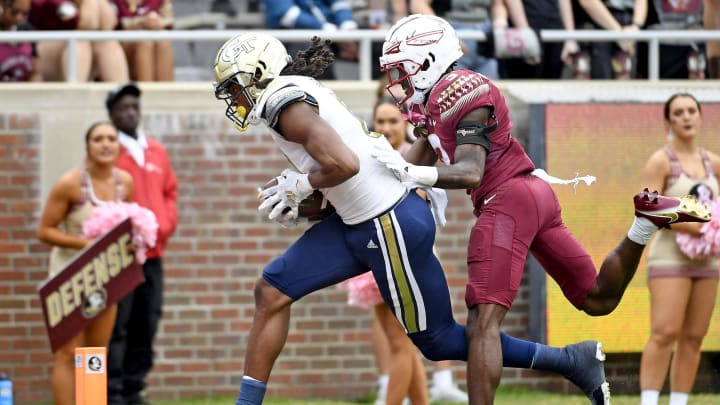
[[391, 232]]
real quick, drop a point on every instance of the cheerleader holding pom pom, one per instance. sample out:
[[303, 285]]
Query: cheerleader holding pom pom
[[144, 225]]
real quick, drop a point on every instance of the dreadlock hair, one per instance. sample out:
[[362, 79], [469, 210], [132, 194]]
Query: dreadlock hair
[[312, 61]]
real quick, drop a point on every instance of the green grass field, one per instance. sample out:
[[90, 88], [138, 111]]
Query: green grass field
[[505, 396]]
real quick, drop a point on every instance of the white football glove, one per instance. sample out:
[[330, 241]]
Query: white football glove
[[404, 171], [268, 197], [289, 222], [292, 188]]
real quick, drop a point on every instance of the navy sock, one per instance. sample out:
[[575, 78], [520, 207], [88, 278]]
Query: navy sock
[[548, 358], [516, 352], [252, 392]]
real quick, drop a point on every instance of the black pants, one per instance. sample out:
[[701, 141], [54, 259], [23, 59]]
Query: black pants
[[130, 354], [550, 67], [673, 60], [601, 53]]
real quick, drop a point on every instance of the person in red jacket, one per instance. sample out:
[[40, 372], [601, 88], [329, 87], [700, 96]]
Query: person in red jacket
[[130, 354]]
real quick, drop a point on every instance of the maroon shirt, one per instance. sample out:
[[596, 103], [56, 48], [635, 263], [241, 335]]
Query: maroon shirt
[[54, 15], [16, 59], [453, 97], [128, 15]]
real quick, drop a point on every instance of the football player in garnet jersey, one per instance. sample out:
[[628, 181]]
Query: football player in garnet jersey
[[468, 123], [390, 231]]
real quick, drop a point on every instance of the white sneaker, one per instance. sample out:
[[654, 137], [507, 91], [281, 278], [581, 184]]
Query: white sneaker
[[448, 393]]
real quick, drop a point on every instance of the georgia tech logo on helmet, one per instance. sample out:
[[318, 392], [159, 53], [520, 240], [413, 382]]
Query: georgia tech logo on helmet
[[230, 53]]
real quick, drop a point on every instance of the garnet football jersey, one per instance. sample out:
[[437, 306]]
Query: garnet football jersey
[[457, 94]]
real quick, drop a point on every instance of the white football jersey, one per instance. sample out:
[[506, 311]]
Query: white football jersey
[[372, 191]]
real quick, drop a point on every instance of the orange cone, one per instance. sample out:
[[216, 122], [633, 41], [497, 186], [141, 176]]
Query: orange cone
[[90, 376]]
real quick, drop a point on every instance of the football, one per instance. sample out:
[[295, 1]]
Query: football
[[314, 207]]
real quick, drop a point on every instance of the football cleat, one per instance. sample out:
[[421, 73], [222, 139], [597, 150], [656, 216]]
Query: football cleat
[[589, 372], [663, 211]]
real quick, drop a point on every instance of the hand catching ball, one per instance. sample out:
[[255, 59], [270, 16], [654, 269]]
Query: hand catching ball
[[315, 207]]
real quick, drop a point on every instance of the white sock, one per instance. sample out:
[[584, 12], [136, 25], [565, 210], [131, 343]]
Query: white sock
[[678, 398], [649, 397], [442, 378], [383, 380], [641, 231]]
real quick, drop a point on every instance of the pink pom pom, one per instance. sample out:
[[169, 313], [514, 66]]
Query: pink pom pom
[[144, 224], [706, 245], [363, 291]]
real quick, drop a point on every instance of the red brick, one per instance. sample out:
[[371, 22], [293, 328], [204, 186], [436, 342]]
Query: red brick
[[12, 248]]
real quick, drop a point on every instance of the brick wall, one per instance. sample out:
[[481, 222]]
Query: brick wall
[[212, 262], [24, 354]]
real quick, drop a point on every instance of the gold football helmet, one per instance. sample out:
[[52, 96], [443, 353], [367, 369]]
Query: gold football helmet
[[244, 65]]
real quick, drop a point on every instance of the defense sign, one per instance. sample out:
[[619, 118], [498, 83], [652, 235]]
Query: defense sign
[[96, 278]]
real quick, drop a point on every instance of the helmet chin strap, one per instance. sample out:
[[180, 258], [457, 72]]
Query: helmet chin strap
[[419, 96]]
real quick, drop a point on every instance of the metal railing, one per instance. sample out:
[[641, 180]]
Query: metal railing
[[364, 37]]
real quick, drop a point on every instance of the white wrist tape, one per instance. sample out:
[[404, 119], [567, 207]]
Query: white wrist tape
[[303, 186], [426, 175]]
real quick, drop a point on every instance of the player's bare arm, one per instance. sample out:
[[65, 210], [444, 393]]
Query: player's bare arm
[[467, 171], [469, 167], [299, 122], [421, 153]]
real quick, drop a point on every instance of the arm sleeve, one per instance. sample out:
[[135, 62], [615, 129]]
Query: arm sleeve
[[170, 198]]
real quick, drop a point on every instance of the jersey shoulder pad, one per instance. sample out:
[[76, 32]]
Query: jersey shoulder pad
[[460, 91], [280, 96]]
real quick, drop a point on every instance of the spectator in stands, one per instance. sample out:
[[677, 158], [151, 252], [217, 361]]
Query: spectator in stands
[[149, 61], [226, 7], [711, 21], [326, 15], [539, 15], [223, 6], [678, 60], [71, 201], [471, 16], [612, 60], [380, 15], [96, 60], [18, 60]]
